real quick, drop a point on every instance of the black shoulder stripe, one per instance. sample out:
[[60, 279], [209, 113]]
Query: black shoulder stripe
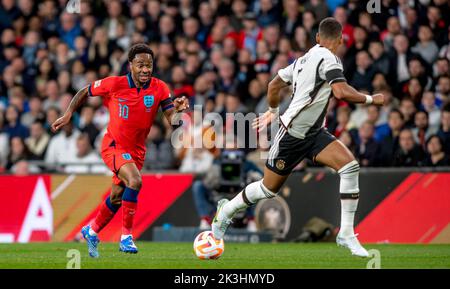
[[334, 75]]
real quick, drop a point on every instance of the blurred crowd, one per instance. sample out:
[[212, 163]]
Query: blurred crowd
[[221, 54]]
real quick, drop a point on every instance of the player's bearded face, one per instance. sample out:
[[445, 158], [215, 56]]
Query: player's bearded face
[[142, 67]]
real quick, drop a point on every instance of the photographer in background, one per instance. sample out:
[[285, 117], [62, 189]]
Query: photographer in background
[[229, 174]]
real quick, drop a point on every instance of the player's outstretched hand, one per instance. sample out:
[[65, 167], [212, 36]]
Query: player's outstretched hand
[[263, 121], [378, 99], [181, 103], [60, 122]]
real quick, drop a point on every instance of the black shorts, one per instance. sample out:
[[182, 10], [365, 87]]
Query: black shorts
[[287, 151]]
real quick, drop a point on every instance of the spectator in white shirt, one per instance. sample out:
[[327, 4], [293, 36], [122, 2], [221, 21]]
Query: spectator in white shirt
[[86, 160], [434, 113], [62, 147]]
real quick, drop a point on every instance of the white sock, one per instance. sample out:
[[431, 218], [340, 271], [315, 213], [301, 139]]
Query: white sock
[[234, 205], [123, 237], [254, 192], [348, 209], [92, 232]]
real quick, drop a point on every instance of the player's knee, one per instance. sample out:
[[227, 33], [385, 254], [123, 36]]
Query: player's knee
[[135, 182], [349, 174], [271, 187]]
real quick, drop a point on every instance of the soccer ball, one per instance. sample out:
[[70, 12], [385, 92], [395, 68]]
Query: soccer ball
[[206, 247]]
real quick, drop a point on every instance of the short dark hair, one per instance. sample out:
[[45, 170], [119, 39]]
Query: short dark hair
[[330, 28], [139, 48], [441, 141], [397, 111]]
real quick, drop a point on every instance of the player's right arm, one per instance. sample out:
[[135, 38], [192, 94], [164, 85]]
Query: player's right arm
[[100, 87], [281, 80], [79, 98]]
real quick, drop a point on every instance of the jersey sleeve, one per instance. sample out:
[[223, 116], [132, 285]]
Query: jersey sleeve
[[166, 102], [101, 87], [332, 70], [287, 73]]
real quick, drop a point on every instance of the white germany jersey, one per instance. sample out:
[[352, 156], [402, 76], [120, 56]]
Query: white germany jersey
[[311, 76]]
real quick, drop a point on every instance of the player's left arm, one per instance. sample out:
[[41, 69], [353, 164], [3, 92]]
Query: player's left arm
[[172, 108], [175, 107], [332, 72]]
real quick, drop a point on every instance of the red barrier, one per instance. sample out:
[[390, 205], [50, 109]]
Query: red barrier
[[26, 213], [417, 211]]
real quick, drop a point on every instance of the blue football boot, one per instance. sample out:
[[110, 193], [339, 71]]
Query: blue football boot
[[91, 240], [127, 245]]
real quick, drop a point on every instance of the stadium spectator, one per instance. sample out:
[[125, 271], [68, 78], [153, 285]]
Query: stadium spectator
[[436, 155], [389, 103], [13, 126], [373, 116], [51, 115], [4, 144], [346, 138], [347, 29], [443, 89], [399, 59], [408, 110], [343, 121], [362, 78], [69, 29], [426, 47], [319, 7], [367, 151], [85, 160], [292, 19], [441, 67], [408, 154], [422, 130], [86, 123], [63, 146], [434, 113], [18, 152], [35, 112], [250, 34], [52, 95], [161, 156], [379, 56], [444, 131], [389, 145], [38, 140]]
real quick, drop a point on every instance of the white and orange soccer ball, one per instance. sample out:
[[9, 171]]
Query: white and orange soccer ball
[[207, 247]]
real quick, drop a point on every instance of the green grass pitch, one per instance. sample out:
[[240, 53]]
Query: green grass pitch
[[236, 256]]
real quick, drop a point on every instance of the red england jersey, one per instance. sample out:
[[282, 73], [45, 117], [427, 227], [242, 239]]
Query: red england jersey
[[131, 110]]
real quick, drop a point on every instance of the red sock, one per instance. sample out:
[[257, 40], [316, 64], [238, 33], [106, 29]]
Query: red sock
[[103, 217], [128, 211]]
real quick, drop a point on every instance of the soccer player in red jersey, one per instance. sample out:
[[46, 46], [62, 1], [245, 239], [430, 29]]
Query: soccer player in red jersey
[[133, 101]]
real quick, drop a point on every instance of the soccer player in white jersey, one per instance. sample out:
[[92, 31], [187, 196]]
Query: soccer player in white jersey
[[316, 77]]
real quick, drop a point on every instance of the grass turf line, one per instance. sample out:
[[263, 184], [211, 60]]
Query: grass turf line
[[236, 256]]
